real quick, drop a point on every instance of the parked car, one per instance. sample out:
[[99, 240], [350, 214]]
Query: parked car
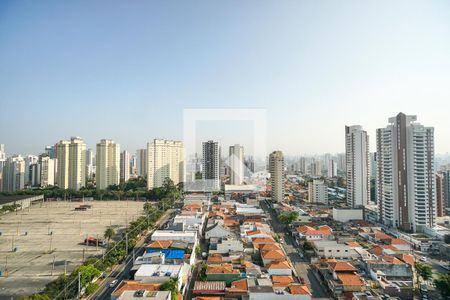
[[113, 283], [139, 293]]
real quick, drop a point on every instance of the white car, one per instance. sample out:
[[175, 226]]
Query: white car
[[113, 283], [423, 258]]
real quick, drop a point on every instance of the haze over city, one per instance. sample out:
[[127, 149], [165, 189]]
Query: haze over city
[[127, 71]]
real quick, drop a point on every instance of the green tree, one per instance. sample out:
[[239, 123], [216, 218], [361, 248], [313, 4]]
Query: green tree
[[91, 288], [87, 273], [443, 285], [425, 271], [307, 246], [109, 233], [172, 286], [287, 218]]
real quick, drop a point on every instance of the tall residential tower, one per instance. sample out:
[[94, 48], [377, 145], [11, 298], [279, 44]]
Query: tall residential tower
[[276, 168], [107, 165], [211, 165], [357, 164], [165, 160], [406, 186], [236, 164]]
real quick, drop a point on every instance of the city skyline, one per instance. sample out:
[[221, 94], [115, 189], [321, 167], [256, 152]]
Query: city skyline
[[313, 77]]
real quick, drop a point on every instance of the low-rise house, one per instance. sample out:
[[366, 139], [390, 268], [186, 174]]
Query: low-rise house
[[149, 258], [282, 281], [279, 268], [171, 235], [171, 256], [329, 249], [252, 270], [150, 273], [222, 272], [127, 289], [238, 288], [209, 288], [311, 234], [250, 235], [258, 241], [217, 231], [226, 246], [269, 256], [191, 221], [389, 268]]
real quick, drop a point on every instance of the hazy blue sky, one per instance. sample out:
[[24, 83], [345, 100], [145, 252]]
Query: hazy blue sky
[[127, 69]]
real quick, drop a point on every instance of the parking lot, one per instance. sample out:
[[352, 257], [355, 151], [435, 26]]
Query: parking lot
[[46, 240]]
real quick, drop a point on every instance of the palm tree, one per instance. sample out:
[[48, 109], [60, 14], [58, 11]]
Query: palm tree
[[109, 233]]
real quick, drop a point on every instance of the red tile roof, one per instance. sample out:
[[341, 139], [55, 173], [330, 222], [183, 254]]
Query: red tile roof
[[279, 265], [350, 280], [160, 244], [132, 285], [297, 289]]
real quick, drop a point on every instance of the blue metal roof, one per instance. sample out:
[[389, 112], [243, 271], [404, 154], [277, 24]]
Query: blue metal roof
[[169, 253]]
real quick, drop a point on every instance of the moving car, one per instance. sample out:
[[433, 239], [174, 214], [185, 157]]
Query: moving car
[[113, 283]]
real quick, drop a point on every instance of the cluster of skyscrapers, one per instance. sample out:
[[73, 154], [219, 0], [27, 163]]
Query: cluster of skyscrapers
[[410, 194]]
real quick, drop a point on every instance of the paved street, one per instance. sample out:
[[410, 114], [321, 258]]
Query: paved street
[[122, 271], [301, 266]]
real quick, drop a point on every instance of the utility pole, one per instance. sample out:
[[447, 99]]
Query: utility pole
[[53, 263], [51, 241], [79, 285]]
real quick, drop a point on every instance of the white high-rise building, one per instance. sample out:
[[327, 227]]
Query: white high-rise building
[[124, 166], [62, 165], [318, 192], [358, 166], [77, 163], [165, 160], [90, 164], [47, 171], [211, 165], [107, 166], [276, 169], [141, 162], [71, 164], [332, 168], [13, 174], [236, 164], [406, 186]]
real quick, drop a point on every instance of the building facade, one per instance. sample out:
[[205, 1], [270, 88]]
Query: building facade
[[141, 162], [13, 174], [124, 166], [357, 165], [276, 169], [406, 185], [71, 164], [211, 165], [107, 166], [47, 171], [236, 156], [318, 192], [165, 160], [441, 203]]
